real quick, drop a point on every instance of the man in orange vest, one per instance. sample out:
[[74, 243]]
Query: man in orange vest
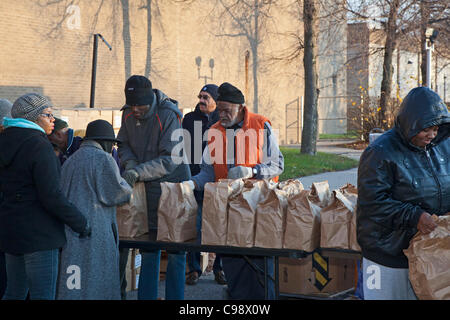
[[240, 145]]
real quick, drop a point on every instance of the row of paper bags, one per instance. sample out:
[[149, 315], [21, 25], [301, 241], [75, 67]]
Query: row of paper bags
[[247, 213], [260, 213]]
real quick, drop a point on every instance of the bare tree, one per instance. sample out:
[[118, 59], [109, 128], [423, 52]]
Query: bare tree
[[311, 115], [126, 36], [248, 19]]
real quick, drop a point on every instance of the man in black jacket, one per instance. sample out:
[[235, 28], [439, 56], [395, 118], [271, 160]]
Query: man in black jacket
[[196, 123], [403, 178]]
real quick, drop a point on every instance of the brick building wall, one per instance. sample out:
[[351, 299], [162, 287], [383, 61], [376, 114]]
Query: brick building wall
[[46, 47]]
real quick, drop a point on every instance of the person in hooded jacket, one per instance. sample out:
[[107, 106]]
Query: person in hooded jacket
[[90, 178], [33, 211], [148, 120], [403, 179]]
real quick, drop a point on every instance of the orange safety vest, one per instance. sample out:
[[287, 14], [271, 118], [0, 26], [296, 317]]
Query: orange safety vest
[[249, 146]]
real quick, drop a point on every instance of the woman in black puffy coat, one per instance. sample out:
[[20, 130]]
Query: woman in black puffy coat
[[33, 211], [403, 179]]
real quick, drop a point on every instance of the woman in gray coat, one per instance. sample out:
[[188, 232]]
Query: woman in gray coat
[[91, 180]]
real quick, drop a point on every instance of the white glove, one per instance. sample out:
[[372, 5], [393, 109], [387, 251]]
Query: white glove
[[190, 184], [240, 172]]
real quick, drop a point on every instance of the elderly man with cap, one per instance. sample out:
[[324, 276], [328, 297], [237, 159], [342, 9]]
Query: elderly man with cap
[[91, 180], [148, 120], [5, 111], [237, 158], [197, 123], [62, 137], [33, 210]]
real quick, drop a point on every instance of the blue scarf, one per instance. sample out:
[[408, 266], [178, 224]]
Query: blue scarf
[[21, 123]]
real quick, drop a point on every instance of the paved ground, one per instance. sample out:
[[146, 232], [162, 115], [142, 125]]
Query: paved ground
[[207, 288]]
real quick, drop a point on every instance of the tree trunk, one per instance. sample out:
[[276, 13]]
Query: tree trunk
[[388, 70], [148, 61], [126, 37], [424, 16], [254, 47], [311, 115]]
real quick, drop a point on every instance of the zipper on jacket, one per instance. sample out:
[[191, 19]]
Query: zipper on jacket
[[435, 178]]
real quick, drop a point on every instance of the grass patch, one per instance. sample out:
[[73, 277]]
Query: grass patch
[[347, 136], [299, 165]]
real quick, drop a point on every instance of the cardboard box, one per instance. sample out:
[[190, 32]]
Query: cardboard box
[[316, 274]]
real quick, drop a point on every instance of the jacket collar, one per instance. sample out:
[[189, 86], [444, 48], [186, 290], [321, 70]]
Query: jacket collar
[[21, 123]]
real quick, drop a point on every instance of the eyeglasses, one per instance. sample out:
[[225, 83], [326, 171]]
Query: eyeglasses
[[203, 96], [48, 115]]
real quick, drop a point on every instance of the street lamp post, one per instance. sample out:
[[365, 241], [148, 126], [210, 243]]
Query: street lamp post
[[94, 66], [198, 62], [430, 37]]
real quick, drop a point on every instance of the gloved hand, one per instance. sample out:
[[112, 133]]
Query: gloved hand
[[131, 176], [130, 164], [86, 233], [190, 184], [240, 172]]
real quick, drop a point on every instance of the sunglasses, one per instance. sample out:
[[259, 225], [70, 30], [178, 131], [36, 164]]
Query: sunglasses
[[48, 115], [203, 96]]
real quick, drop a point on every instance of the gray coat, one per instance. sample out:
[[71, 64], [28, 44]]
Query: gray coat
[[91, 180], [149, 143]]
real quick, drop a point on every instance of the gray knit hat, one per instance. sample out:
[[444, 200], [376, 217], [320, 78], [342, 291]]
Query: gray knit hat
[[30, 106], [5, 109]]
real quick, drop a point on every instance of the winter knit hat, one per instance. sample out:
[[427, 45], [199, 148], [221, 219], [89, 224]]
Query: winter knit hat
[[5, 109], [211, 89], [30, 106], [138, 91], [59, 124], [229, 93]]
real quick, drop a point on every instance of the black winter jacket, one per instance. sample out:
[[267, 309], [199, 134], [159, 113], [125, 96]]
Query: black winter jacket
[[33, 210], [398, 181], [189, 124]]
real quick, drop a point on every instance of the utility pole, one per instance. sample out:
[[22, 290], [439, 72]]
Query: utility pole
[[94, 66], [430, 37]]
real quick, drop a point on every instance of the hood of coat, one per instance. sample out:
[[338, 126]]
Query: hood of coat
[[162, 101], [12, 139], [422, 108]]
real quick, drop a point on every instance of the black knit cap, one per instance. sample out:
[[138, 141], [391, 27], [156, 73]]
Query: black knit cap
[[229, 93], [211, 89], [100, 130], [138, 91]]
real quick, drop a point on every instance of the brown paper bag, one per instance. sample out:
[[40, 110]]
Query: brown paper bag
[[215, 210], [429, 262], [291, 187], [132, 216], [242, 211], [177, 213], [351, 193], [320, 194], [271, 220], [336, 220], [302, 223]]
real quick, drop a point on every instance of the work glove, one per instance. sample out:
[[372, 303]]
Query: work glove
[[240, 172], [130, 164], [131, 177], [190, 184], [86, 232]]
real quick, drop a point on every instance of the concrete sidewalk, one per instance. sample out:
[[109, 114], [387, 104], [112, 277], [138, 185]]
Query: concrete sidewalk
[[207, 288]]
